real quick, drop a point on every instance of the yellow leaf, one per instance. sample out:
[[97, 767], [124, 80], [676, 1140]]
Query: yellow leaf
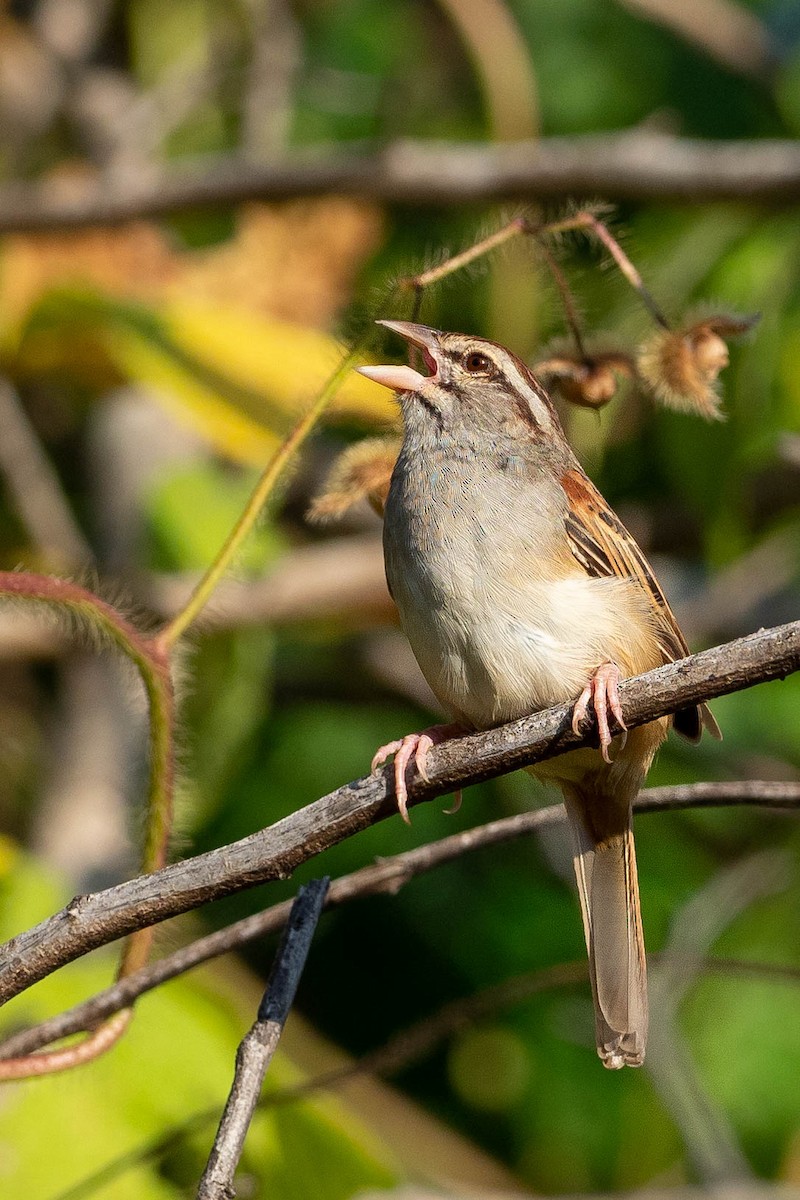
[[241, 379], [286, 362], [230, 431]]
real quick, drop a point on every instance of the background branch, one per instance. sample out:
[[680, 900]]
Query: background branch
[[419, 1040], [332, 578], [388, 875], [708, 1134], [633, 165], [272, 853]]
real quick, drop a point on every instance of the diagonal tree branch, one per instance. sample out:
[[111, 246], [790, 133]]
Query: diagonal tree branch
[[631, 165], [273, 853], [388, 875]]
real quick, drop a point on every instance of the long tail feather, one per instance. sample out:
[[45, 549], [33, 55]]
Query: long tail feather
[[609, 893]]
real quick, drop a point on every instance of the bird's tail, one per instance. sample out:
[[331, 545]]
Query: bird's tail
[[605, 868]]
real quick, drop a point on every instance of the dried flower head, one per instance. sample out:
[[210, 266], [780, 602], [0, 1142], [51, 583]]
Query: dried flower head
[[588, 380], [362, 471], [681, 366]]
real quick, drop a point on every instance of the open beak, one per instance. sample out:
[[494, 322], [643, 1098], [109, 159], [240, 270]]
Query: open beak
[[402, 378]]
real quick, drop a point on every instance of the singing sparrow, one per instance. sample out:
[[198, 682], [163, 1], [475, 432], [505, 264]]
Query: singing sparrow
[[518, 588]]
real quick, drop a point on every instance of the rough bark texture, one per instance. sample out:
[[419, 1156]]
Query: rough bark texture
[[273, 853]]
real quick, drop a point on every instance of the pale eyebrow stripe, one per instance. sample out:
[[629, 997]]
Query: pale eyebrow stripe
[[538, 410]]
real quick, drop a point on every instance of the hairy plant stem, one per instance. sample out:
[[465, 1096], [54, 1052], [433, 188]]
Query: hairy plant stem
[[565, 295], [96, 617], [201, 595], [465, 257], [151, 656], [584, 221], [588, 222]]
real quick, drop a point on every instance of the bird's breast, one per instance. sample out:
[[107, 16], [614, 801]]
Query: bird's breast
[[501, 622]]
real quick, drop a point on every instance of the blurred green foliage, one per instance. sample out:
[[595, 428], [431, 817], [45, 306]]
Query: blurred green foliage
[[120, 1107], [273, 718]]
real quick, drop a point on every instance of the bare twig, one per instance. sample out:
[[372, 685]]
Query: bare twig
[[325, 579], [723, 29], [635, 164], [708, 1135], [420, 1040], [35, 487], [388, 875], [94, 920], [258, 1046]]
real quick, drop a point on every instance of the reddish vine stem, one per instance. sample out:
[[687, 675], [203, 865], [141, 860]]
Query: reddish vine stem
[[102, 620]]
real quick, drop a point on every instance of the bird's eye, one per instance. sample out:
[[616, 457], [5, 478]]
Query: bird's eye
[[476, 363]]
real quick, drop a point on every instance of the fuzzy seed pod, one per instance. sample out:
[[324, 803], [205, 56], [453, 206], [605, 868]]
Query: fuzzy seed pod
[[362, 471], [589, 381], [681, 366]]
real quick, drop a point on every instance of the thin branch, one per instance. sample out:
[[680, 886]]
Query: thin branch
[[91, 921], [36, 488], [632, 165], [264, 488], [259, 1044], [414, 1043], [420, 1040], [387, 876]]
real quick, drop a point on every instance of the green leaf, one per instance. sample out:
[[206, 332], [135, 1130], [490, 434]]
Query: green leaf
[[175, 1061], [190, 512]]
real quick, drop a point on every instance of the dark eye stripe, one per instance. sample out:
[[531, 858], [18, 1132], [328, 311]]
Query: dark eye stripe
[[524, 410]]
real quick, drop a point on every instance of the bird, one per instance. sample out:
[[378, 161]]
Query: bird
[[519, 588]]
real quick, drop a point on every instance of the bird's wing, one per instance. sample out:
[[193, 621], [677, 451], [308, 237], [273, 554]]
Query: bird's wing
[[604, 547]]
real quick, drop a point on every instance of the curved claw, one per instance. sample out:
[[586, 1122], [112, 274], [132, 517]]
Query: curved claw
[[382, 753], [456, 805], [413, 746], [602, 689], [409, 748]]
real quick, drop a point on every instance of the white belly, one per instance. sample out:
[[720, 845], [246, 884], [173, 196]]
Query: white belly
[[491, 653], [501, 621]]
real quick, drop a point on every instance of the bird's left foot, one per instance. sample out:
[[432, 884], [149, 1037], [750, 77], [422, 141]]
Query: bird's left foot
[[414, 746], [602, 690]]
